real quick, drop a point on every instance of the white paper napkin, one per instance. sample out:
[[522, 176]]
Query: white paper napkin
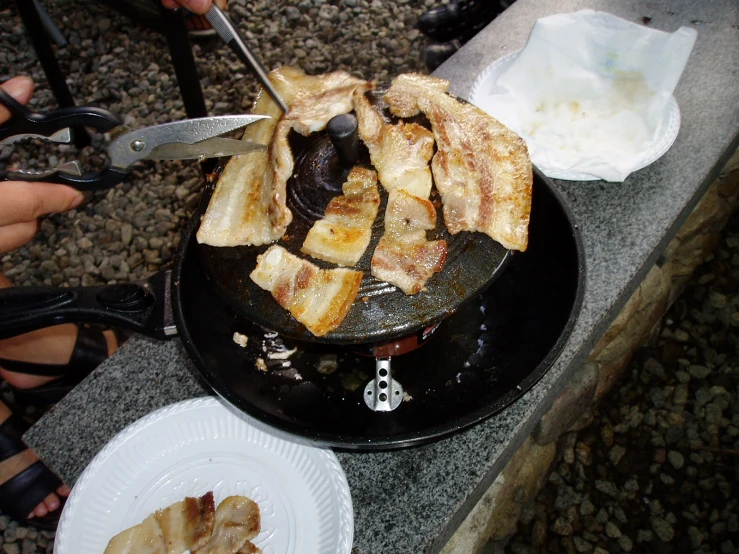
[[590, 91]]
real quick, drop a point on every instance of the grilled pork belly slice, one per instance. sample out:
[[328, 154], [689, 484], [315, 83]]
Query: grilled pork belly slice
[[344, 233], [404, 256], [144, 538], [248, 205], [237, 521], [317, 298], [481, 169], [187, 525], [400, 153]]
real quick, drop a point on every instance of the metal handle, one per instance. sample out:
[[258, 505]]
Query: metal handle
[[228, 32], [383, 393], [142, 307]]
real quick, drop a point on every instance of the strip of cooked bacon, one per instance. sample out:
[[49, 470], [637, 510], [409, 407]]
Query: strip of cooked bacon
[[344, 232], [481, 169], [248, 205], [400, 153], [144, 538], [237, 521], [317, 298], [404, 256], [187, 525]]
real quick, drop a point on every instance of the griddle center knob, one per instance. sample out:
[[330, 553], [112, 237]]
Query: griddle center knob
[[342, 130]]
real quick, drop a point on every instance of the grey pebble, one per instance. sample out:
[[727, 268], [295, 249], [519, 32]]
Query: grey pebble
[[676, 459], [562, 527], [662, 528], [587, 507], [29, 546], [581, 545], [607, 487], [616, 453], [625, 542], [612, 530], [699, 371]]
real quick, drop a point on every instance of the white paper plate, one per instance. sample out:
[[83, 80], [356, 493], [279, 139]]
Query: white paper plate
[[196, 446], [486, 84]]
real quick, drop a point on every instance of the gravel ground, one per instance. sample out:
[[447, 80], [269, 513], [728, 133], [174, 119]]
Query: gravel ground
[[655, 472]]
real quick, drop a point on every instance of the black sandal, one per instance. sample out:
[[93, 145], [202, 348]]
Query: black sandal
[[90, 350], [20, 494]]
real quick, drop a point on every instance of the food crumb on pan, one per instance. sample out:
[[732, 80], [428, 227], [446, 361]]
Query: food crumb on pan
[[241, 340], [290, 373], [407, 397], [261, 365], [281, 354], [327, 364]]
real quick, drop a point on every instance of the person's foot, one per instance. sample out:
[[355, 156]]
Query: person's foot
[[52, 345], [23, 477], [52, 502]]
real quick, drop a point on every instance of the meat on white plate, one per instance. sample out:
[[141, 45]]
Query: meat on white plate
[[481, 169], [399, 152], [144, 538], [248, 206], [318, 298], [185, 525], [404, 256], [237, 522], [343, 234]]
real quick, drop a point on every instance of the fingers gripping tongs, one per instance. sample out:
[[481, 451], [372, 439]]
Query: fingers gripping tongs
[[178, 140]]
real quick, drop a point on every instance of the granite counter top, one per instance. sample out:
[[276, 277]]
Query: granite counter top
[[413, 500]]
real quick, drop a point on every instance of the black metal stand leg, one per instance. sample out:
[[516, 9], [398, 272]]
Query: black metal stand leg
[[37, 34], [180, 49]]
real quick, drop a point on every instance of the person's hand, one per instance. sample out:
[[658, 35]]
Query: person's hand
[[196, 6], [22, 203]]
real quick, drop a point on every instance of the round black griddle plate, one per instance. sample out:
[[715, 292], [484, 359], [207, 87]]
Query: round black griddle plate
[[480, 360], [381, 311]]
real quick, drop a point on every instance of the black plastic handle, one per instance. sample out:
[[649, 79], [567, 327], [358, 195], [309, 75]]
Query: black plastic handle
[[24, 121], [143, 307], [108, 177]]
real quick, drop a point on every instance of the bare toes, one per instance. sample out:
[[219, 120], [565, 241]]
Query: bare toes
[[52, 502], [49, 504]]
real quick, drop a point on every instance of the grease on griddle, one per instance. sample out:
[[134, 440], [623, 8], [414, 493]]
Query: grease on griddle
[[327, 364]]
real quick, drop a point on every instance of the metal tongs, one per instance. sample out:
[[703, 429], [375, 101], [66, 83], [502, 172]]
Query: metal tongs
[[178, 140], [230, 35]]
